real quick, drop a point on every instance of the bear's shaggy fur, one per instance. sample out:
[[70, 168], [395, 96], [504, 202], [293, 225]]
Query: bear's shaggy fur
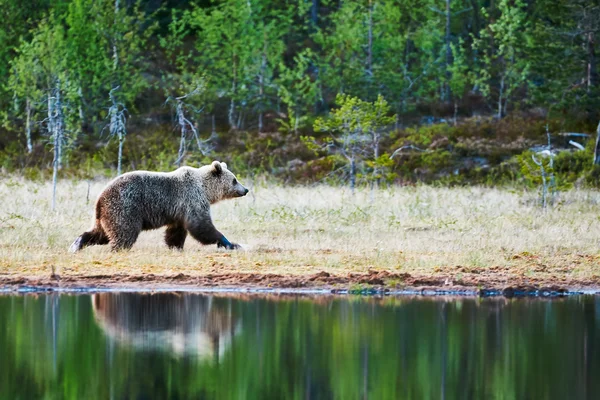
[[180, 200]]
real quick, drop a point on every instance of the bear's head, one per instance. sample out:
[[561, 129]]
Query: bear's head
[[221, 183]]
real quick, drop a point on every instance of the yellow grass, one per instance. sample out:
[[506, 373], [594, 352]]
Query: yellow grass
[[303, 230]]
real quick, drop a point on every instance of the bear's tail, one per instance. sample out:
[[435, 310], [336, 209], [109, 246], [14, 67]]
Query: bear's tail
[[90, 238]]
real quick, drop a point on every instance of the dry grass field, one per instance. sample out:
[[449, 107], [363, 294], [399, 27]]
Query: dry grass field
[[466, 236]]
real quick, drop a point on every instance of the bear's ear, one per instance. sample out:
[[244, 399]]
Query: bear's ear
[[224, 165], [216, 168]]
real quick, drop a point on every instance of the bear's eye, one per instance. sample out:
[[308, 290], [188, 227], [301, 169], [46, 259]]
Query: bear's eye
[[234, 181]]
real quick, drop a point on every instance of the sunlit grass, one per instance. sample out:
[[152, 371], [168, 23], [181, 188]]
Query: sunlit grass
[[302, 230]]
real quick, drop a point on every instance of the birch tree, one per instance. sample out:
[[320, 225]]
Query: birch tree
[[124, 40], [505, 65], [19, 21], [25, 85], [56, 131], [224, 52], [48, 79], [126, 30], [460, 75], [117, 113], [185, 108], [297, 90]]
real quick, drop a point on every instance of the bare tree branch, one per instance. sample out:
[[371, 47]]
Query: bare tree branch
[[410, 146]]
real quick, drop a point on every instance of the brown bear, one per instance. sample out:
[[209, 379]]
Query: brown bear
[[143, 200]]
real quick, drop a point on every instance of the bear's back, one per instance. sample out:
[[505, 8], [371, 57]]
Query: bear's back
[[156, 197]]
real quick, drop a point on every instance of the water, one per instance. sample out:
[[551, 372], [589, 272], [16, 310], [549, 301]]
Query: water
[[144, 346]]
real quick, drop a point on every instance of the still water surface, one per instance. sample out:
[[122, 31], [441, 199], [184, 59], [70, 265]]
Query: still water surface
[[171, 346]]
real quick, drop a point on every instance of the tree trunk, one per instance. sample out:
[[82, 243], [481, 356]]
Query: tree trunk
[[115, 49], [296, 121], [455, 111], [28, 125], [591, 64], [121, 141], [352, 174], [500, 94], [55, 127], [181, 122], [59, 122], [240, 122], [52, 132], [597, 147], [376, 140], [370, 43], [81, 114], [117, 125], [448, 54], [314, 13], [261, 83], [231, 114]]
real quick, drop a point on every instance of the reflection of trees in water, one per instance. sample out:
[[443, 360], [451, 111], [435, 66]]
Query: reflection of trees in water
[[184, 324], [298, 347]]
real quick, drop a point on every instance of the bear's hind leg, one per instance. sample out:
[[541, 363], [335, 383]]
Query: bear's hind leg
[[123, 241], [175, 236], [95, 236], [121, 236]]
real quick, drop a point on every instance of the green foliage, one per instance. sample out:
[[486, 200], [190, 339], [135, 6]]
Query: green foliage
[[278, 67], [505, 44], [399, 61], [238, 46], [355, 117], [297, 91], [392, 347], [460, 72], [382, 167], [530, 171], [592, 176], [356, 128], [89, 47], [328, 169], [568, 167], [424, 136]]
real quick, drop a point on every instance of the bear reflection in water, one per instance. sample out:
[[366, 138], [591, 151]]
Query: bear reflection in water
[[190, 325]]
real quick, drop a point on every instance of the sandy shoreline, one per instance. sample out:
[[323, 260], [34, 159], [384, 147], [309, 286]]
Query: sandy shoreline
[[372, 282]]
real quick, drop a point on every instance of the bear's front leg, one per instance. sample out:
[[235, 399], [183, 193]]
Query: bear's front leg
[[205, 232], [227, 244]]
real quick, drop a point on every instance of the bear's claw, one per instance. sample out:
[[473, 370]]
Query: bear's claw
[[227, 244], [75, 246]]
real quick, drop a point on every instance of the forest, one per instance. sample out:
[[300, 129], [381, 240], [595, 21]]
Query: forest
[[488, 92]]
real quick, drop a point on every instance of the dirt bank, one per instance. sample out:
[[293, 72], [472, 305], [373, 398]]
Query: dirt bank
[[494, 281]]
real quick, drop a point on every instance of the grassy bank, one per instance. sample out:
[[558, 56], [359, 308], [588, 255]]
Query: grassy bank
[[457, 236]]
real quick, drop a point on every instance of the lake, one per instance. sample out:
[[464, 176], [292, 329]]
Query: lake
[[182, 345]]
